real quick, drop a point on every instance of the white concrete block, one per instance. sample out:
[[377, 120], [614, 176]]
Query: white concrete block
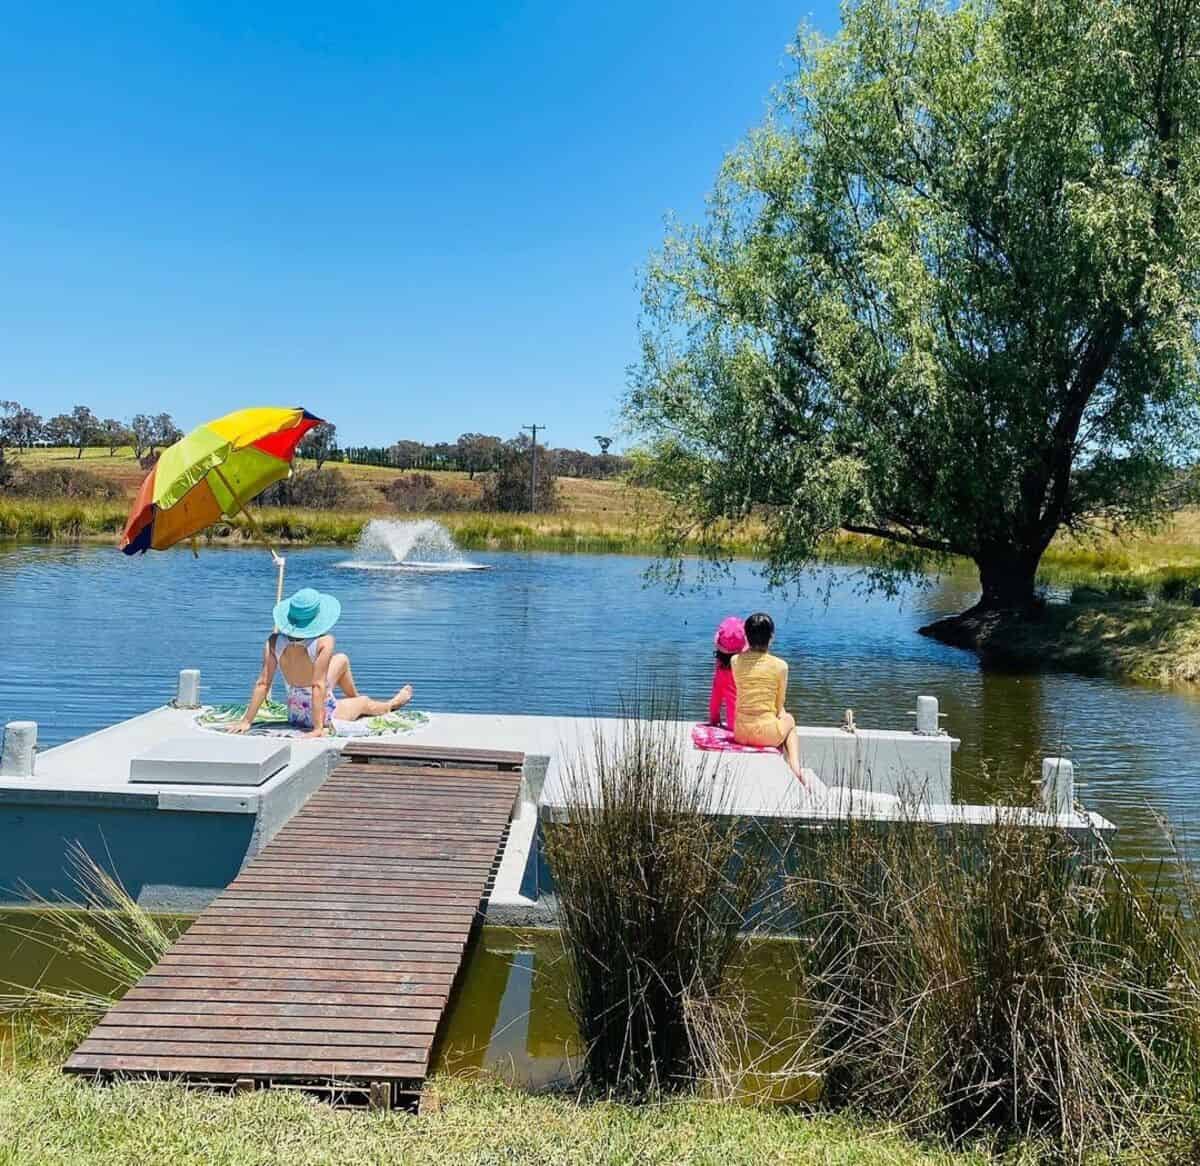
[[211, 760], [19, 750], [1058, 785], [927, 716], [187, 693]]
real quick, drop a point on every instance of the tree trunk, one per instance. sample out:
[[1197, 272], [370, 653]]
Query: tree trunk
[[1007, 581]]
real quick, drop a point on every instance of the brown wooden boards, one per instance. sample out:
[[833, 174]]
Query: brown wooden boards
[[371, 751], [330, 958]]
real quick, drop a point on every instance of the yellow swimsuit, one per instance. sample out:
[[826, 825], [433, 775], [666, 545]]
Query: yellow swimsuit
[[761, 681]]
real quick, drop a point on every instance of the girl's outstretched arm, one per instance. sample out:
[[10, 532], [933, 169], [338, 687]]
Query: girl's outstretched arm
[[262, 686]]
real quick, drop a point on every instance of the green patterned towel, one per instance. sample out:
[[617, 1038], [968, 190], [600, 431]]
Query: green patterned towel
[[272, 721]]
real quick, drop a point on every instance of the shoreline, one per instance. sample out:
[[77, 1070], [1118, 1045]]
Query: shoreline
[[1133, 621], [1155, 644], [69, 522]]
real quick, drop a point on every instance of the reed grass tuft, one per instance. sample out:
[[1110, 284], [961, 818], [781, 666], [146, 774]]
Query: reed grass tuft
[[654, 878], [102, 931], [1013, 984]]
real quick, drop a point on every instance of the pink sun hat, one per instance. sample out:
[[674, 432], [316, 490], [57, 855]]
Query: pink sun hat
[[731, 635]]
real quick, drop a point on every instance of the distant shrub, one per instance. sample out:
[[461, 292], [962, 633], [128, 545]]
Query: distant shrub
[[60, 482], [1110, 588], [506, 489], [423, 494], [318, 490], [1179, 584]]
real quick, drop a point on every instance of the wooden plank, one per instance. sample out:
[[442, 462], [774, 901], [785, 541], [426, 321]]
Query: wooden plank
[[458, 783], [429, 992], [369, 750], [411, 889], [340, 831], [295, 964], [314, 1049], [333, 937], [333, 953], [414, 874], [367, 909], [344, 1016], [427, 1006], [152, 1026], [343, 952], [414, 779], [430, 900], [225, 1066], [335, 919]]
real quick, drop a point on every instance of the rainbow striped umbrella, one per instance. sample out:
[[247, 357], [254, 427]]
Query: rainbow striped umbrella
[[212, 473]]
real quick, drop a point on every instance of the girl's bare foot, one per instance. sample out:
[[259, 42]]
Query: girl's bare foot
[[401, 698]]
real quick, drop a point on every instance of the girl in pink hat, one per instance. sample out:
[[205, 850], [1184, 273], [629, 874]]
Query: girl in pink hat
[[729, 641]]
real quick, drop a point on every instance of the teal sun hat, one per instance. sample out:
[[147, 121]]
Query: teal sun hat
[[307, 614]]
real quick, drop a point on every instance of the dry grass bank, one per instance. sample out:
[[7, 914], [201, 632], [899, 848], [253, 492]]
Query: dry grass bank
[[583, 499]]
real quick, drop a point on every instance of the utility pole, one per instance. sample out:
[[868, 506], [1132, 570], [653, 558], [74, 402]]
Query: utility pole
[[533, 466]]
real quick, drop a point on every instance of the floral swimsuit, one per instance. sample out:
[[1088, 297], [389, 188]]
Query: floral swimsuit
[[299, 697]]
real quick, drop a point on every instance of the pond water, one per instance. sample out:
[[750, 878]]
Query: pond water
[[509, 1018], [91, 637]]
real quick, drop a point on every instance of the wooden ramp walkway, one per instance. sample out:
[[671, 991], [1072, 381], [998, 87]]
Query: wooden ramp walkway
[[328, 962]]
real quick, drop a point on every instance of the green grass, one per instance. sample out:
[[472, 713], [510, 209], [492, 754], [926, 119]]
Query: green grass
[[1154, 643], [64, 521], [45, 1119]]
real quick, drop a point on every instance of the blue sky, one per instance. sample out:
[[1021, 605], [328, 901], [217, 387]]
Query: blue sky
[[413, 219]]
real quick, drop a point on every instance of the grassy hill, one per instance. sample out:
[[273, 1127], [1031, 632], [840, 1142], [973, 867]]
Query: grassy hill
[[586, 498], [593, 515]]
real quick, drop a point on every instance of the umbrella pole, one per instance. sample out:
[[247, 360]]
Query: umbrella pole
[[280, 561]]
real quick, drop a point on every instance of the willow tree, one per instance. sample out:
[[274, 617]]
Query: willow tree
[[947, 295]]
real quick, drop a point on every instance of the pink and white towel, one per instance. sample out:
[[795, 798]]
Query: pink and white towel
[[718, 739]]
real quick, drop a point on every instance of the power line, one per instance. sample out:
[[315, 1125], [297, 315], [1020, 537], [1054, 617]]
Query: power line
[[533, 466]]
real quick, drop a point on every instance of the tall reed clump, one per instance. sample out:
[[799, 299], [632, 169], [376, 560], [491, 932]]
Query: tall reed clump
[[654, 879], [103, 932], [1009, 982]]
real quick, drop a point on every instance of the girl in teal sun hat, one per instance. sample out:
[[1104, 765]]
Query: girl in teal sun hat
[[302, 648]]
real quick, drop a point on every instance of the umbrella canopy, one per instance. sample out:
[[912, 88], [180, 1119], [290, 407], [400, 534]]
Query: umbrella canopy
[[213, 472]]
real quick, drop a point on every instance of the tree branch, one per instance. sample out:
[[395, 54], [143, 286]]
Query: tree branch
[[921, 542]]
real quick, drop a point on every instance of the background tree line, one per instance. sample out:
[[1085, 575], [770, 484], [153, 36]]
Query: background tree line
[[506, 472], [481, 453], [474, 453], [22, 428]]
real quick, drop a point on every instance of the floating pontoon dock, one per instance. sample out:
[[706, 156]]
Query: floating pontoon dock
[[338, 880]]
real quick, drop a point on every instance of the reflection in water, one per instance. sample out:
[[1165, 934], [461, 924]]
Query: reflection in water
[[510, 1017], [511, 1020], [1004, 735]]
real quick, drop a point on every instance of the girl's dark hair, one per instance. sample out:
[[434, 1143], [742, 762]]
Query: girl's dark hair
[[760, 627], [724, 659]]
